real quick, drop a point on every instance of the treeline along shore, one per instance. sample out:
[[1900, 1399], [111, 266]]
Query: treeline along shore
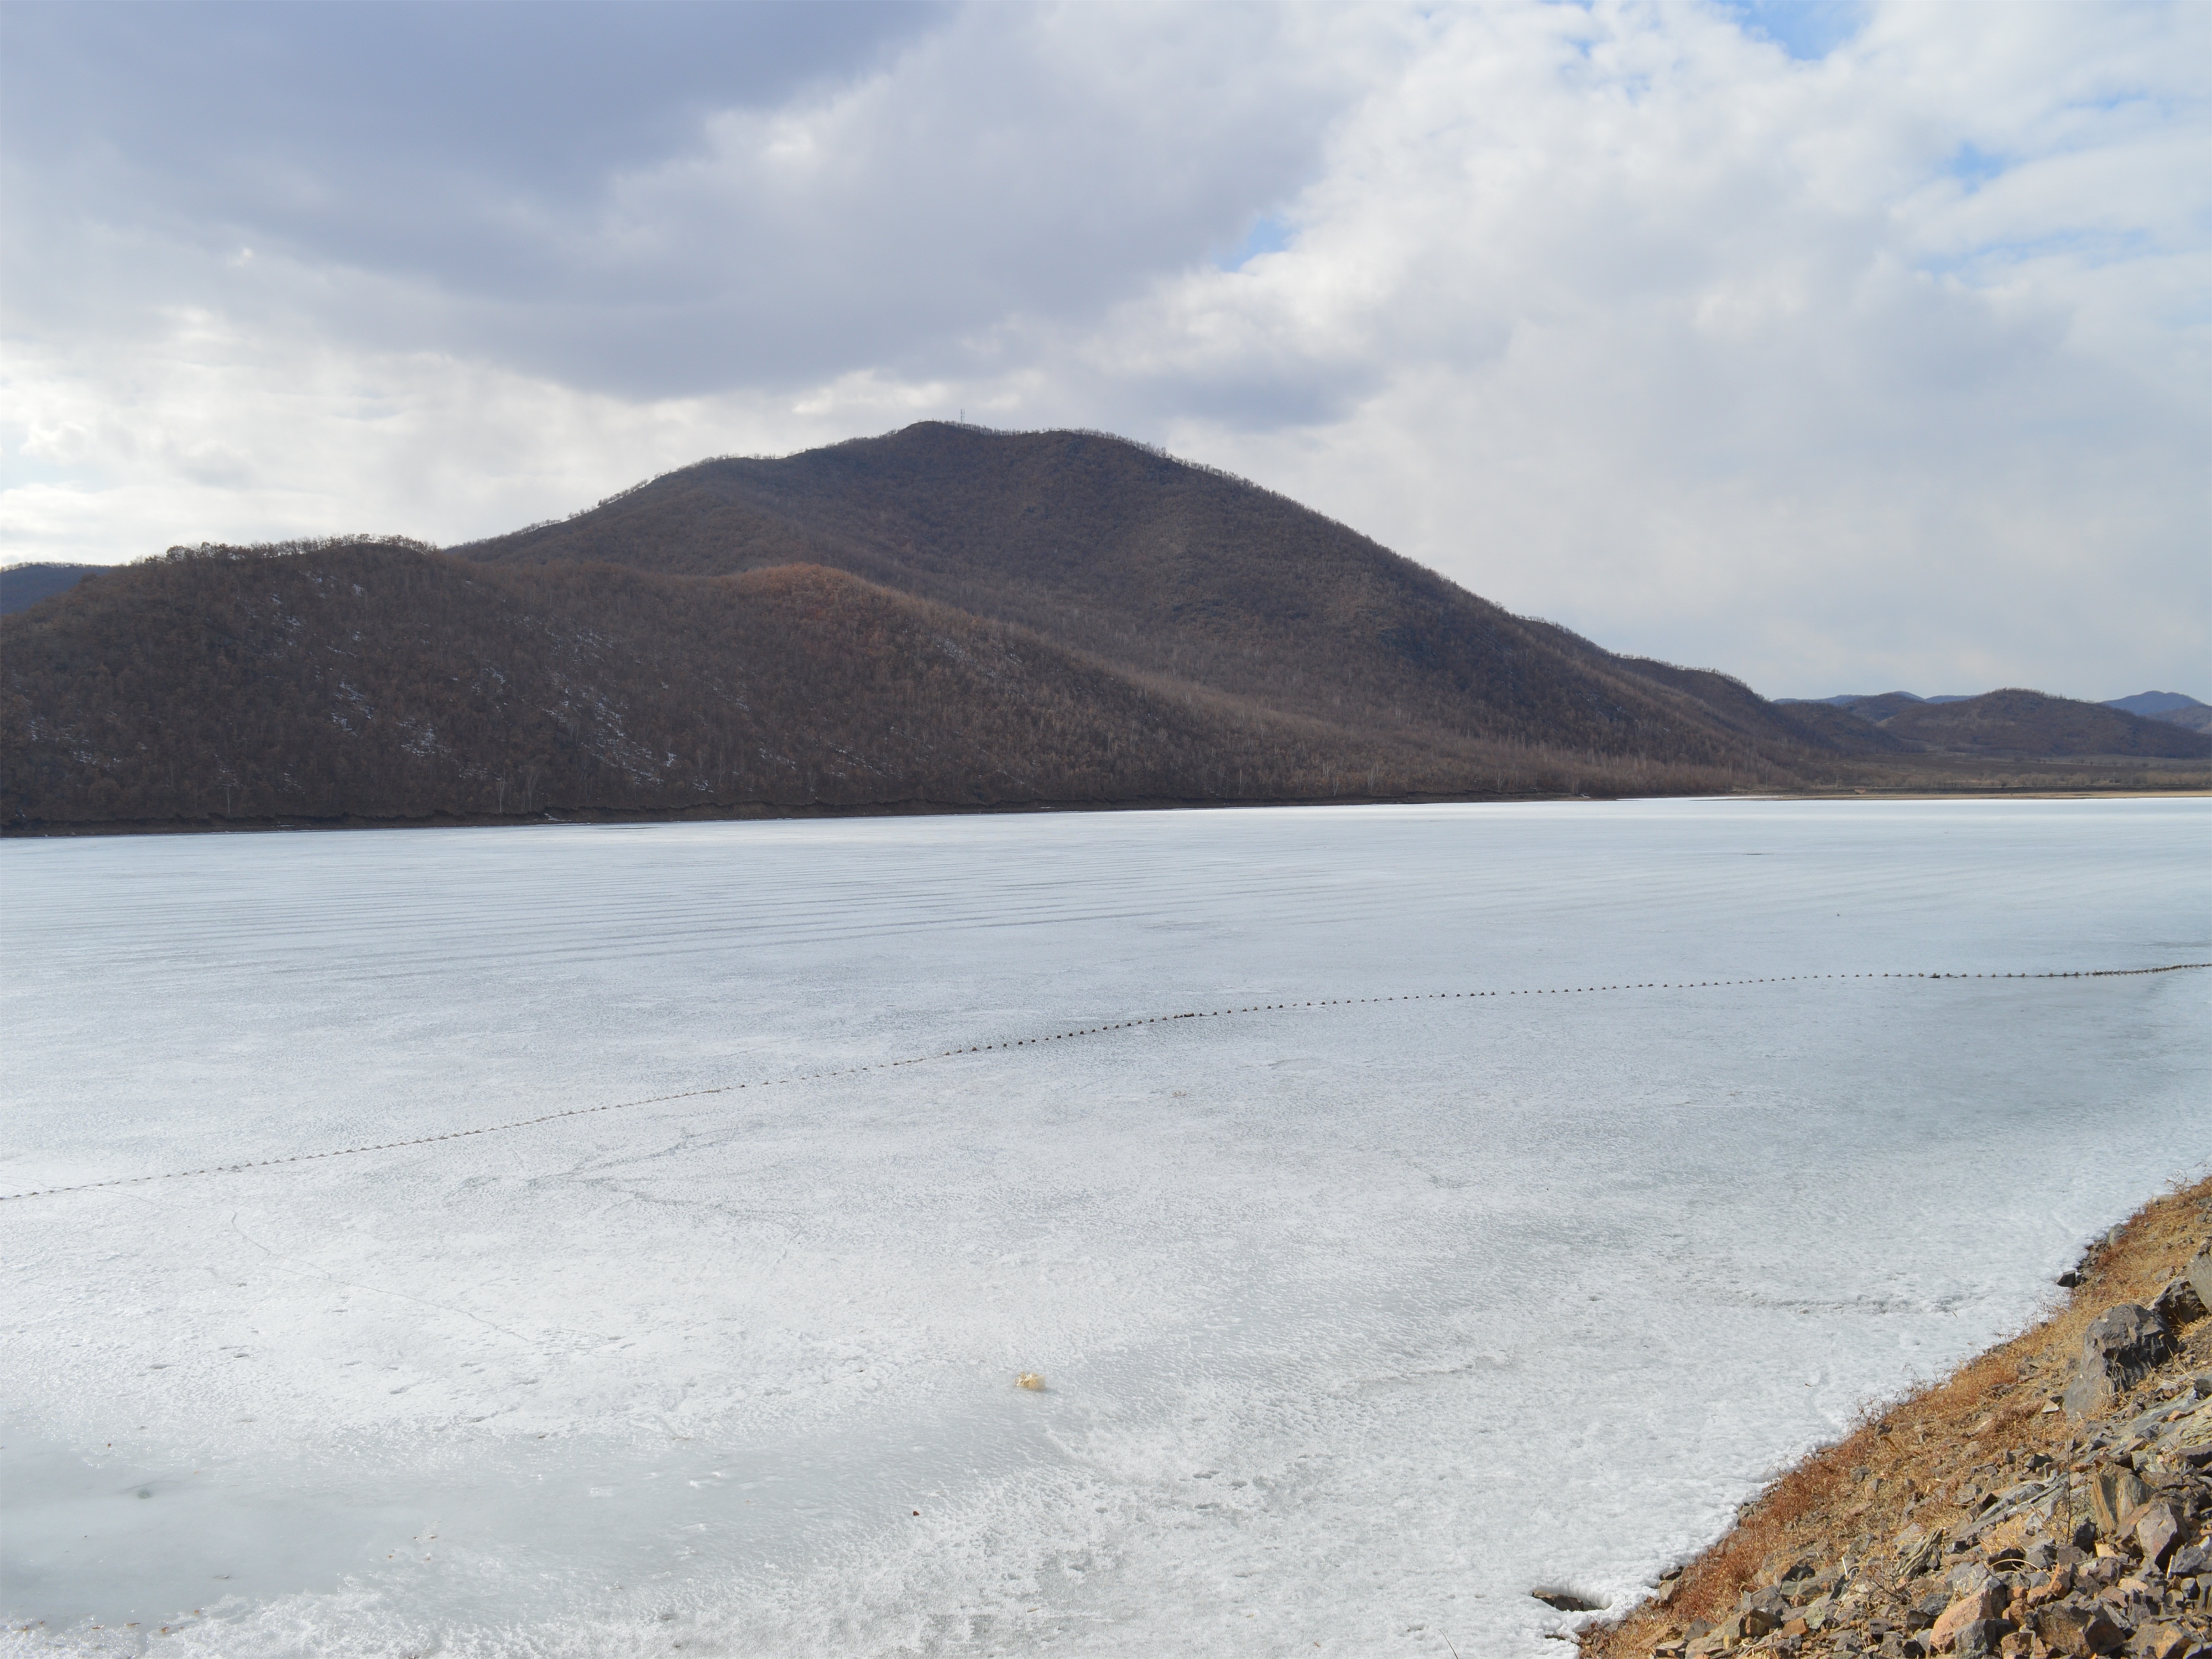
[[941, 619], [2052, 1497]]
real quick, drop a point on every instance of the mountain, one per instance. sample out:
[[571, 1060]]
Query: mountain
[[2171, 706], [1845, 700], [941, 619], [2065, 733], [1897, 699], [2019, 723], [22, 585], [1879, 709], [1111, 548], [2152, 704]]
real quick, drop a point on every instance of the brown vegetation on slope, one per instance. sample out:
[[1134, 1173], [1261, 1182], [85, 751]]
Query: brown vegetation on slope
[[941, 618], [1988, 1479], [359, 681], [1167, 569]]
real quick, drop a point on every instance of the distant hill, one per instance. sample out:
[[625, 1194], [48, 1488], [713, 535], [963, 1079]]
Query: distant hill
[[2015, 723], [2171, 706], [22, 585], [2152, 704], [2066, 733], [1878, 710], [1897, 699]]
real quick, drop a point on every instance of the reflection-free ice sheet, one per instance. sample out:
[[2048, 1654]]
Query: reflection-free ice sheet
[[1359, 1321]]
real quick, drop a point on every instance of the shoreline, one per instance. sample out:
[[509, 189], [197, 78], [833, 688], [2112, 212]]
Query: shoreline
[[767, 813], [2045, 1499]]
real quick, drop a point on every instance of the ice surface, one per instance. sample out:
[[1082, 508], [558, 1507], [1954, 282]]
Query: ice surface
[[1359, 1321]]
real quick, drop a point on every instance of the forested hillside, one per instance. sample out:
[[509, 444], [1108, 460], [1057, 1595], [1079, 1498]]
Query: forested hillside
[[942, 618], [1169, 568], [367, 682]]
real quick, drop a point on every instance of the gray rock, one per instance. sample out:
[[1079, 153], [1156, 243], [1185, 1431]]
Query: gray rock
[[2102, 1573], [1968, 1577], [2115, 1496], [1773, 1602], [1922, 1555], [2131, 1337], [1987, 1603], [2198, 1272], [2157, 1530], [1737, 1628], [1982, 1638], [2078, 1628], [2090, 1392], [1567, 1600], [2121, 1345], [2179, 1303]]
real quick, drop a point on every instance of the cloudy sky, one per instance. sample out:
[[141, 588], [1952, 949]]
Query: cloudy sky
[[1842, 347]]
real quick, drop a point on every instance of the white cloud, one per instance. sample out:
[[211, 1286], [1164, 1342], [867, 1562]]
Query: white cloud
[[1884, 368], [208, 435], [1705, 352]]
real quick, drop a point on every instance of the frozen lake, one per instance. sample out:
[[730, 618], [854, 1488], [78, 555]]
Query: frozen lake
[[1359, 1321]]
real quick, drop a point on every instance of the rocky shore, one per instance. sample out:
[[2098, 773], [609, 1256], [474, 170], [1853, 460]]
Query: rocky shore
[[2053, 1498]]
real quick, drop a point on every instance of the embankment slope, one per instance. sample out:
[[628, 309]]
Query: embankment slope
[[2042, 1501]]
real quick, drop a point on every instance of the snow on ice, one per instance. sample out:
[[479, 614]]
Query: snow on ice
[[1357, 1321]]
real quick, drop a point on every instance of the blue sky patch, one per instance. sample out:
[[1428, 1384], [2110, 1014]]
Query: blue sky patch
[[1268, 234], [1807, 30], [1973, 168]]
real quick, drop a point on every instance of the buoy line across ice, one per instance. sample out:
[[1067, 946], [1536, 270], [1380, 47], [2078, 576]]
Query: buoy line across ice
[[1055, 1037]]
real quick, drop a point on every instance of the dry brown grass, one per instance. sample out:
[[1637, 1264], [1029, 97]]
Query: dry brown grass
[[1893, 1470]]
